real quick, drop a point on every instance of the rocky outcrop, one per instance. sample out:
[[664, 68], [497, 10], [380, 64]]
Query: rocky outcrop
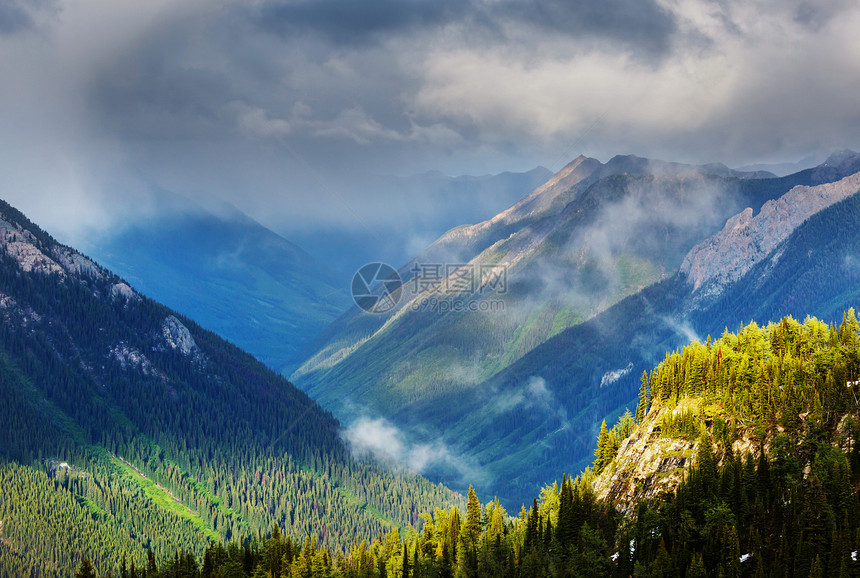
[[76, 264], [130, 357], [746, 239], [122, 292], [648, 463], [22, 246], [16, 316], [177, 337], [32, 256]]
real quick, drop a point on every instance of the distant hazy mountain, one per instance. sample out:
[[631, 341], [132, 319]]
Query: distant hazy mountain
[[497, 388], [229, 273], [783, 169], [126, 427], [426, 204]]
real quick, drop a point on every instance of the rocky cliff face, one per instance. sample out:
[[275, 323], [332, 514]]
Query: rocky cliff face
[[33, 255], [747, 239], [647, 465], [651, 463]]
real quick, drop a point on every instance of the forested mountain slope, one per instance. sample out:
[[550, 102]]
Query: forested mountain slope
[[742, 459], [125, 427], [229, 273]]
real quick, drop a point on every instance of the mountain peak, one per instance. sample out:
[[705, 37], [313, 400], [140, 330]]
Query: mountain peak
[[574, 172], [839, 157]]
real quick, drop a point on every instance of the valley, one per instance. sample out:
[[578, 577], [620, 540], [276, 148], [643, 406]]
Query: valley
[[531, 385], [217, 448]]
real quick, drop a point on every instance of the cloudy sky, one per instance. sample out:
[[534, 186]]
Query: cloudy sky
[[284, 107]]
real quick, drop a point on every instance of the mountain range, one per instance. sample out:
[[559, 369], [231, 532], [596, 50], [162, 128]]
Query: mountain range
[[265, 292], [227, 272], [598, 264], [128, 430]]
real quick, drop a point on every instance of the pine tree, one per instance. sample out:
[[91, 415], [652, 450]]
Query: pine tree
[[85, 570], [600, 452], [730, 563], [816, 571], [532, 529], [706, 464], [472, 528], [566, 526], [404, 569], [697, 568], [644, 398]]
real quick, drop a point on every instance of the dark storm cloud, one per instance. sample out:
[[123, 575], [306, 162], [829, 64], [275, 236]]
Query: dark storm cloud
[[815, 15], [152, 93], [13, 17], [18, 15], [269, 104], [348, 21], [638, 24], [353, 64]]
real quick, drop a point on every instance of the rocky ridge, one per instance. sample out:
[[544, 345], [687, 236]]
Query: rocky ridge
[[747, 239]]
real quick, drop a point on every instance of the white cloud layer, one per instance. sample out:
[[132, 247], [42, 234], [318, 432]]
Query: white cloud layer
[[385, 441]]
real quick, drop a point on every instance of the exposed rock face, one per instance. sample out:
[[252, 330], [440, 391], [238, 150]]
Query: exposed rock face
[[648, 464], [16, 316], [76, 264], [747, 239], [121, 291], [21, 245], [32, 256], [177, 337], [130, 357]]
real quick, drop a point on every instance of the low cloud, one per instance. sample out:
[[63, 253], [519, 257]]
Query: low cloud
[[356, 125], [683, 330], [259, 122], [614, 375], [533, 394], [386, 442]]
